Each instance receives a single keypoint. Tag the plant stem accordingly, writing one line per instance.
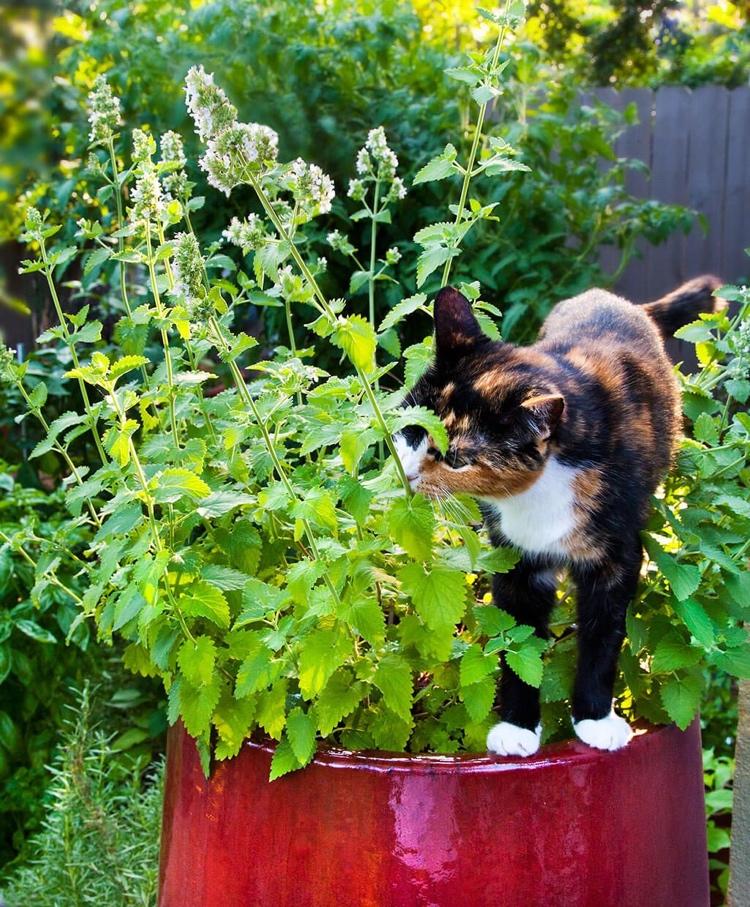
(469, 170)
(323, 307)
(73, 353)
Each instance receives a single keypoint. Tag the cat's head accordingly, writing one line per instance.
(499, 412)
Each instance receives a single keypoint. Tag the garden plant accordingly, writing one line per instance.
(236, 511)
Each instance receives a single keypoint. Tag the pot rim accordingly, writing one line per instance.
(568, 752)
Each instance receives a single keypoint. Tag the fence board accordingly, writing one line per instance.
(707, 128)
(732, 262)
(696, 146)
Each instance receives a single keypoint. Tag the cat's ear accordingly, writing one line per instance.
(456, 327)
(545, 411)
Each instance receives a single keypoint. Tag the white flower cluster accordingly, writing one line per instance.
(312, 189)
(144, 146)
(173, 153)
(207, 104)
(739, 367)
(377, 162)
(248, 234)
(232, 147)
(104, 111)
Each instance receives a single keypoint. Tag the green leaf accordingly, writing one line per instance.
(476, 666)
(499, 560)
(735, 661)
(300, 732)
(431, 259)
(683, 578)
(354, 444)
(195, 704)
(681, 697)
(418, 357)
(401, 310)
(32, 629)
(739, 588)
(411, 523)
(197, 660)
(705, 429)
(356, 337)
(526, 662)
(426, 418)
(283, 760)
(217, 503)
(172, 484)
(393, 677)
(339, 698)
(271, 714)
(225, 578)
(321, 652)
(258, 671)
(439, 167)
(204, 600)
(366, 617)
(493, 620)
(232, 719)
(317, 506)
(355, 498)
(38, 397)
(695, 618)
(471, 75)
(479, 698)
(126, 364)
(438, 593)
(673, 653)
(129, 605)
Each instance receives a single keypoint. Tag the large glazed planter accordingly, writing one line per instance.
(569, 827)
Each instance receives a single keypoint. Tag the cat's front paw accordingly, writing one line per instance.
(506, 739)
(609, 733)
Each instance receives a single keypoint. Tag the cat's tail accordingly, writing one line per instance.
(685, 304)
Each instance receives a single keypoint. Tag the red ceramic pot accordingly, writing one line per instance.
(569, 827)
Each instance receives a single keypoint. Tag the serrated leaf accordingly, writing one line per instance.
(499, 560)
(217, 503)
(417, 357)
(204, 600)
(339, 698)
(401, 310)
(259, 671)
(411, 522)
(232, 719)
(705, 429)
(475, 665)
(197, 660)
(681, 697)
(684, 579)
(673, 653)
(425, 418)
(393, 677)
(356, 337)
(471, 75)
(493, 620)
(431, 259)
(526, 661)
(195, 704)
(321, 652)
(438, 168)
(225, 578)
(366, 617)
(695, 618)
(271, 714)
(355, 498)
(172, 484)
(479, 698)
(354, 444)
(438, 593)
(283, 760)
(735, 661)
(300, 732)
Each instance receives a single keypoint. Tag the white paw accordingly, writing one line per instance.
(610, 733)
(507, 739)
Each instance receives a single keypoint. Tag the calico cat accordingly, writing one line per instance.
(563, 443)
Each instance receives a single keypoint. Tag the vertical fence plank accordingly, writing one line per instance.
(709, 109)
(636, 143)
(669, 182)
(733, 263)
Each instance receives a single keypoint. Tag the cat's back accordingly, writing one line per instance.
(599, 318)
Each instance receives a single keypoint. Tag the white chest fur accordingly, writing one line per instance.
(542, 518)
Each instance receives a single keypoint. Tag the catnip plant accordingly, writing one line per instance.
(251, 532)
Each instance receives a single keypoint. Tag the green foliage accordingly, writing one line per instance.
(251, 542)
(100, 838)
(644, 42)
(718, 773)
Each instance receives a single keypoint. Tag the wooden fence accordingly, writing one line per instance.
(697, 147)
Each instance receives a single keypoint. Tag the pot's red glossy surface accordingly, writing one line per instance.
(569, 827)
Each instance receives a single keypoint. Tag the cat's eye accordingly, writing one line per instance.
(455, 459)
